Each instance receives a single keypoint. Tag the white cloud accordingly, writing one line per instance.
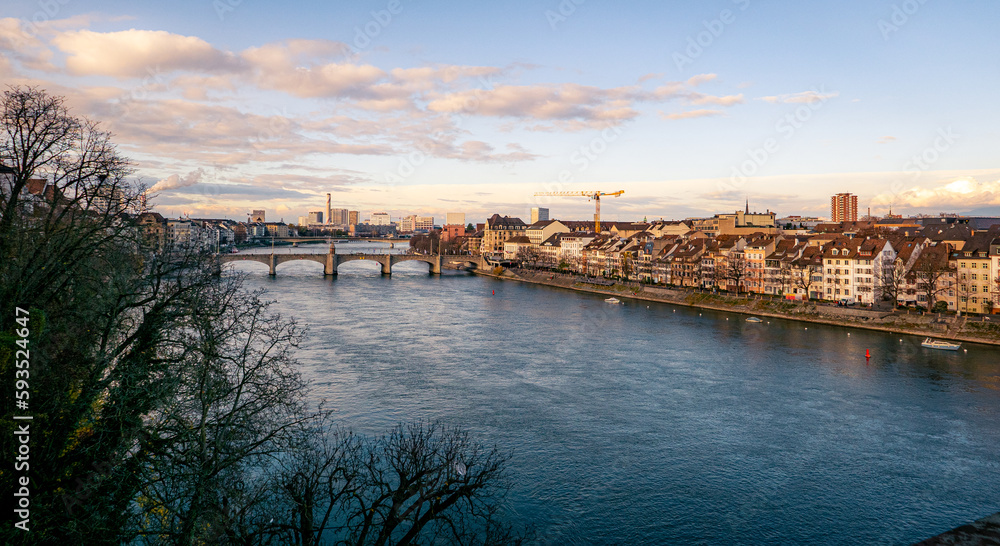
(691, 114)
(805, 97)
(139, 53)
(958, 194)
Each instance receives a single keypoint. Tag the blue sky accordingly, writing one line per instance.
(689, 107)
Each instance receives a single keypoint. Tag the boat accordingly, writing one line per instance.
(938, 344)
(754, 319)
(613, 301)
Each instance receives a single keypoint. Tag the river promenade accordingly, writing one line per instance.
(900, 322)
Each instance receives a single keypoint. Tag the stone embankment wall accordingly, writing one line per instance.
(914, 323)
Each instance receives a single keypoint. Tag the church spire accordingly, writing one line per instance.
(748, 205)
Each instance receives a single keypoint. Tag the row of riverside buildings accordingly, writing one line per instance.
(915, 262)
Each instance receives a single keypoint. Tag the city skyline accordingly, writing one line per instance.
(423, 110)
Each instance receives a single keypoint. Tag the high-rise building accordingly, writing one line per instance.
(539, 214)
(381, 219)
(455, 218)
(338, 216)
(844, 208)
(257, 216)
(328, 207)
(353, 217)
(315, 217)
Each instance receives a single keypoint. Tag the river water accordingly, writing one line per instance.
(649, 423)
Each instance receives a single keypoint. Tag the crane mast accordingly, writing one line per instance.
(595, 195)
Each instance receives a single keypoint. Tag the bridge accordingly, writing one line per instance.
(331, 260)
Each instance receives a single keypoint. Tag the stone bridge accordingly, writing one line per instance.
(331, 261)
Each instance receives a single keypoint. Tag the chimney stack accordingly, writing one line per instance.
(327, 219)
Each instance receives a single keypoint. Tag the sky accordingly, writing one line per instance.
(413, 107)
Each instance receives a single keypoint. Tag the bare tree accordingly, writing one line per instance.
(432, 481)
(804, 279)
(891, 278)
(162, 395)
(931, 268)
(736, 270)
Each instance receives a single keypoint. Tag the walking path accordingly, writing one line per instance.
(916, 324)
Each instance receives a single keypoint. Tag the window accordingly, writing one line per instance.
(964, 299)
(847, 292)
(973, 276)
(973, 265)
(829, 290)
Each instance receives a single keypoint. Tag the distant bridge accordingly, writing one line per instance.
(331, 260)
(328, 238)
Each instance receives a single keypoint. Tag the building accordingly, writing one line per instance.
(451, 232)
(353, 217)
(844, 208)
(381, 219)
(454, 218)
(257, 216)
(498, 230)
(424, 223)
(315, 217)
(539, 214)
(543, 229)
(338, 217)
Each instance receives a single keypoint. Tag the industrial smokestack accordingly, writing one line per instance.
(327, 219)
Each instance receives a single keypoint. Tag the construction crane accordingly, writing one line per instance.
(595, 195)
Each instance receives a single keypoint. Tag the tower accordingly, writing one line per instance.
(328, 208)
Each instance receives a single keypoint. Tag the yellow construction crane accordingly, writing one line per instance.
(595, 195)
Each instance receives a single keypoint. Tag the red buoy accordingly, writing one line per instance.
(868, 354)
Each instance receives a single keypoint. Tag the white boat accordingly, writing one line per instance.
(754, 319)
(938, 344)
(613, 301)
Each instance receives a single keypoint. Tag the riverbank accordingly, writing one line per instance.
(915, 324)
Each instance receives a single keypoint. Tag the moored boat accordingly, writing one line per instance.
(754, 319)
(939, 344)
(613, 301)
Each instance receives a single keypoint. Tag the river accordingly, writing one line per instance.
(649, 423)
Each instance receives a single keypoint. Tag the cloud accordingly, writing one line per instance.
(691, 114)
(954, 194)
(728, 100)
(549, 103)
(174, 181)
(886, 139)
(138, 53)
(805, 97)
(699, 79)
